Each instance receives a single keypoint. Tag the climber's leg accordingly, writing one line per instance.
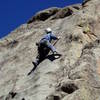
(51, 47)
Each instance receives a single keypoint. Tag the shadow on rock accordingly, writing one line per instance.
(51, 57)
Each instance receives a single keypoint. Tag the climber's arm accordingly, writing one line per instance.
(54, 37)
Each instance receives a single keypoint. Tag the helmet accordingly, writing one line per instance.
(48, 30)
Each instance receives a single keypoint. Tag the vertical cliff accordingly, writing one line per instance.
(74, 76)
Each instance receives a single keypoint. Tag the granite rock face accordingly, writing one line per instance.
(74, 76)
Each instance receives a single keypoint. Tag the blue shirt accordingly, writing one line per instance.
(49, 37)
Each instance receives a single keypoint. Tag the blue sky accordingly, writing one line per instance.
(13, 13)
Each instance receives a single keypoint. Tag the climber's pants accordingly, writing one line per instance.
(48, 44)
(41, 53)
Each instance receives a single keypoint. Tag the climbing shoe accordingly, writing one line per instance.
(34, 64)
(55, 52)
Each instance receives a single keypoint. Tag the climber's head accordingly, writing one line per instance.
(48, 30)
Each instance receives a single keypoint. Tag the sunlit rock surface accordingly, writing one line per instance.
(74, 76)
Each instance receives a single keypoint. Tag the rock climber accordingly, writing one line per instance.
(44, 46)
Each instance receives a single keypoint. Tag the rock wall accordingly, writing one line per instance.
(74, 76)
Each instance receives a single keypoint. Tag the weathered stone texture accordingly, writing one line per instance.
(74, 76)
